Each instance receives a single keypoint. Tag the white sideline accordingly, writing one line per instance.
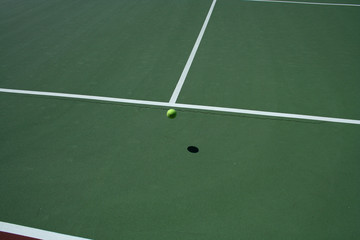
(191, 57)
(308, 3)
(35, 233)
(186, 106)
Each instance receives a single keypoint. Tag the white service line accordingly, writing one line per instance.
(268, 114)
(86, 97)
(186, 106)
(181, 81)
(308, 3)
(35, 233)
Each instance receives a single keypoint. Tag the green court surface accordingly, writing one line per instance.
(109, 171)
(279, 57)
(129, 49)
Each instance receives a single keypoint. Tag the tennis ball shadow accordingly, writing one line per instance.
(193, 149)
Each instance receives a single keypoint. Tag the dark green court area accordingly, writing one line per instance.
(108, 171)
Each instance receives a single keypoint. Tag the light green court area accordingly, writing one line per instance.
(113, 171)
(109, 171)
(279, 57)
(130, 49)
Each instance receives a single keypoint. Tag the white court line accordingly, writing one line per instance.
(35, 233)
(308, 3)
(191, 57)
(186, 106)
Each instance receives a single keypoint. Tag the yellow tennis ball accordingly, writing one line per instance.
(171, 113)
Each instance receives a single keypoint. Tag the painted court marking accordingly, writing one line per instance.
(186, 106)
(191, 57)
(308, 3)
(35, 233)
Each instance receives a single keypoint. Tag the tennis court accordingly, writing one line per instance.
(268, 91)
